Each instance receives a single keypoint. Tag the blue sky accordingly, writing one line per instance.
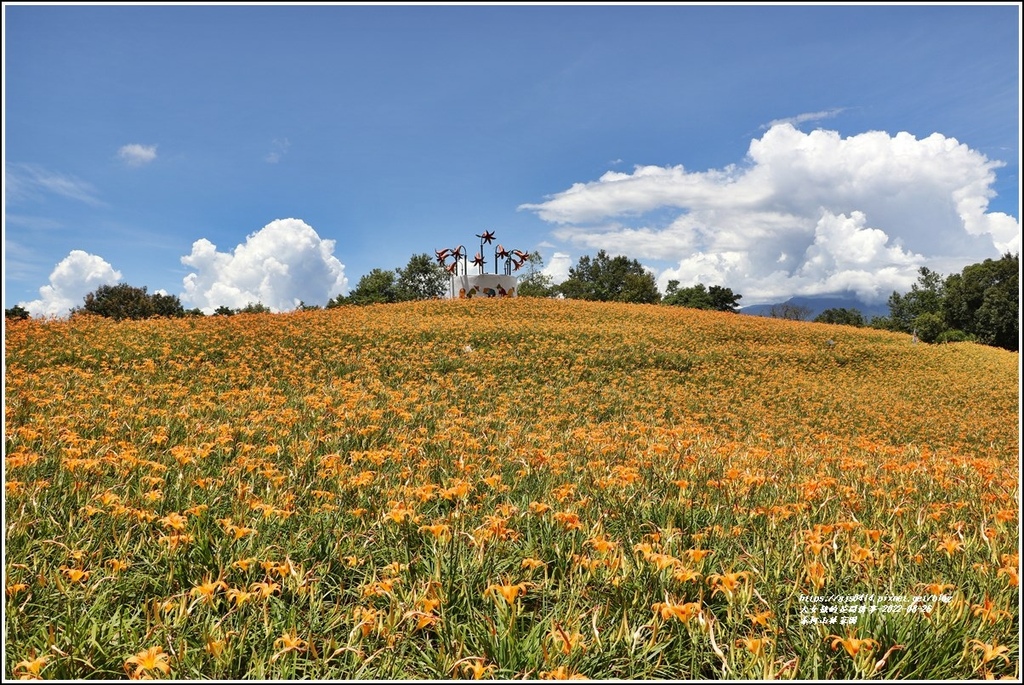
(228, 154)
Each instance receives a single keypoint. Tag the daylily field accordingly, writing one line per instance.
(507, 489)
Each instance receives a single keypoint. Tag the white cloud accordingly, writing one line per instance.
(283, 263)
(135, 155)
(806, 116)
(279, 148)
(806, 213)
(558, 267)
(72, 279)
(30, 182)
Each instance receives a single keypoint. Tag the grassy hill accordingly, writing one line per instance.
(507, 488)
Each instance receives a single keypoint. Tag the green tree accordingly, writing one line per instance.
(788, 310)
(167, 305)
(120, 301)
(337, 301)
(254, 308)
(223, 310)
(929, 326)
(984, 301)
(16, 312)
(925, 297)
(421, 279)
(952, 335)
(883, 323)
(378, 286)
(535, 283)
(607, 279)
(715, 298)
(841, 316)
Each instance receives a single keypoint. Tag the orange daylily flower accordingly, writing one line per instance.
(30, 668)
(662, 561)
(860, 554)
(244, 564)
(726, 583)
(381, 587)
(238, 597)
(438, 530)
(1011, 575)
(682, 612)
(208, 588)
(215, 647)
(601, 544)
(508, 592)
(988, 611)
(566, 641)
(174, 521)
(424, 618)
(366, 619)
(149, 659)
(852, 644)
(117, 565)
(754, 645)
(683, 574)
(539, 507)
(992, 651)
(478, 667)
(696, 555)
(290, 642)
(76, 575)
(264, 589)
(950, 545)
(816, 574)
(561, 673)
(569, 520)
(936, 588)
(531, 563)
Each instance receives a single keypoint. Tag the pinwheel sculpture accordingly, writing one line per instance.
(511, 260)
(505, 261)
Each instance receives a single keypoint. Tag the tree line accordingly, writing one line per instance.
(980, 304)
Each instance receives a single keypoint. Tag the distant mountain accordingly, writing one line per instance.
(818, 304)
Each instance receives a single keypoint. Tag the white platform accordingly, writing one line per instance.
(484, 285)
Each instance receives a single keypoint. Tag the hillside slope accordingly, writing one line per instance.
(509, 488)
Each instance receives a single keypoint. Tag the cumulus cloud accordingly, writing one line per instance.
(135, 155)
(558, 267)
(72, 279)
(805, 213)
(280, 265)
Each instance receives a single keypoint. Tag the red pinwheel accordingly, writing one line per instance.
(501, 252)
(486, 237)
(442, 255)
(478, 260)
